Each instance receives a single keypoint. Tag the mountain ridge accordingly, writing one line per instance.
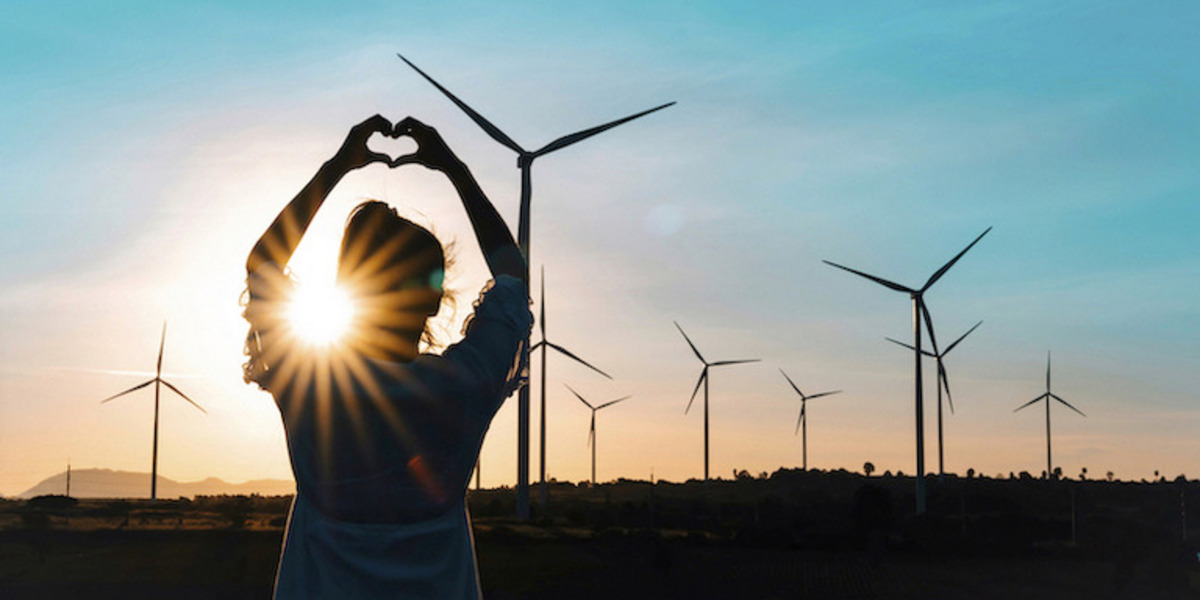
(109, 483)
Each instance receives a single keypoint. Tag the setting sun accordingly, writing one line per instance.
(320, 314)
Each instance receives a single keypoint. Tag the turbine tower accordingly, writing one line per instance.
(592, 430)
(802, 422)
(943, 382)
(543, 493)
(158, 382)
(525, 160)
(919, 312)
(704, 380)
(1047, 397)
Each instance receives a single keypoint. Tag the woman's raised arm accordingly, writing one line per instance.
(495, 239)
(279, 241)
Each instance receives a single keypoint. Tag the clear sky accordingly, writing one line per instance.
(144, 146)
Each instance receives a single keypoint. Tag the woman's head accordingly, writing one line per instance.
(394, 269)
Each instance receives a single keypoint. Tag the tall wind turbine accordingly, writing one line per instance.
(158, 382)
(919, 312)
(802, 422)
(704, 380)
(525, 160)
(943, 382)
(592, 430)
(543, 493)
(1047, 397)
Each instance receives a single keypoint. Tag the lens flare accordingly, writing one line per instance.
(320, 315)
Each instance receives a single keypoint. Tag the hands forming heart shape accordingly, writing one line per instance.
(431, 150)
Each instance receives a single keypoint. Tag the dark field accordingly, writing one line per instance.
(793, 535)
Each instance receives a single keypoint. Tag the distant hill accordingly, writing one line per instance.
(106, 483)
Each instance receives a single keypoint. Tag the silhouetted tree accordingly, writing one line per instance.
(1083, 474)
(868, 468)
(970, 473)
(1109, 476)
(1057, 473)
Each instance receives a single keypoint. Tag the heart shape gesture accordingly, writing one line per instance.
(431, 151)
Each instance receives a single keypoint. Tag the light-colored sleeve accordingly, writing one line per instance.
(494, 343)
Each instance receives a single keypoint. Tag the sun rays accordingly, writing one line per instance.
(320, 314)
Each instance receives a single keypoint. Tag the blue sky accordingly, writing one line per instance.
(143, 147)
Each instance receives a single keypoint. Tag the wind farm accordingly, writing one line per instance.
(145, 149)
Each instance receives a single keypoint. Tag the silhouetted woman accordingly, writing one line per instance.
(382, 438)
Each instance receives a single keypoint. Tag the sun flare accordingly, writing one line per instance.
(320, 314)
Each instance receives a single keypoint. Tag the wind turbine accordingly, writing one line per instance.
(943, 382)
(525, 160)
(158, 382)
(1047, 396)
(704, 380)
(919, 312)
(543, 345)
(802, 422)
(592, 430)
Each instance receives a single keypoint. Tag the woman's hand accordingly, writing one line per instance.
(432, 151)
(354, 153)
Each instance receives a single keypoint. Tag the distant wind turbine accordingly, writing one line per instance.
(802, 422)
(158, 382)
(592, 430)
(704, 380)
(943, 382)
(525, 160)
(919, 312)
(1047, 397)
(543, 345)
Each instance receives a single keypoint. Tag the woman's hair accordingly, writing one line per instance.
(395, 268)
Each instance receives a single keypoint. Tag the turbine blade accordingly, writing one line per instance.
(703, 374)
(800, 420)
(579, 136)
(789, 380)
(577, 359)
(909, 346)
(961, 338)
(689, 341)
(610, 403)
(185, 397)
(924, 311)
(162, 344)
(1067, 404)
(721, 363)
(580, 397)
(1031, 402)
(944, 381)
(592, 430)
(487, 126)
(132, 389)
(946, 267)
(814, 396)
(535, 346)
(879, 280)
(1047, 371)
